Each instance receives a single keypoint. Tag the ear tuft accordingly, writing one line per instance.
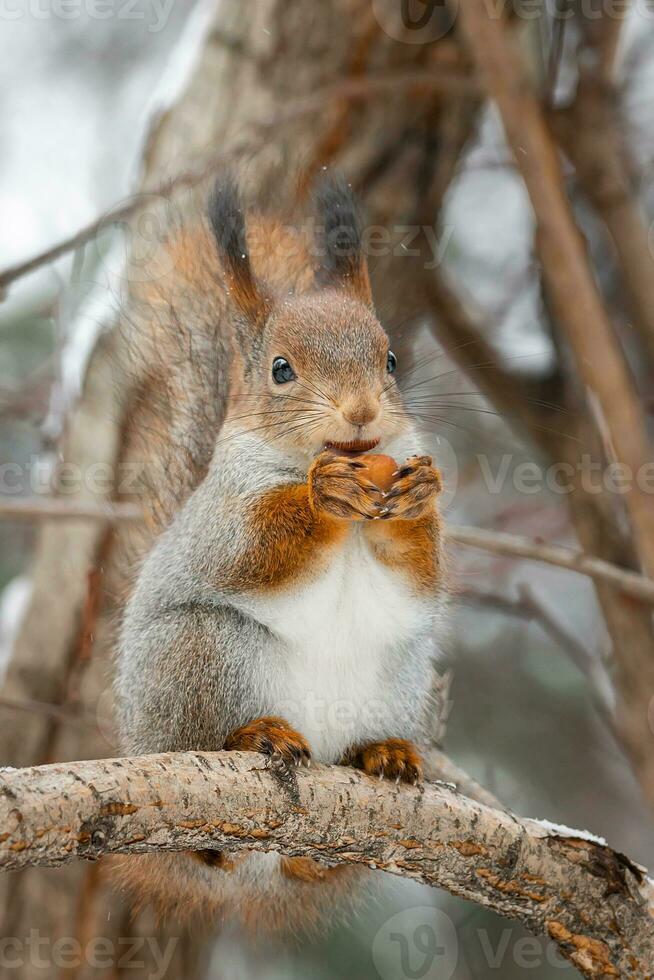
(343, 260)
(227, 221)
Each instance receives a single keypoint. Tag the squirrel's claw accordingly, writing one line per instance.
(396, 758)
(338, 485)
(274, 737)
(415, 486)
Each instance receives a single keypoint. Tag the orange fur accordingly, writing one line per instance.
(308, 870)
(293, 541)
(408, 536)
(182, 889)
(302, 869)
(296, 527)
(270, 735)
(395, 758)
(412, 547)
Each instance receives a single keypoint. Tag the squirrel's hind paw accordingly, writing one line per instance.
(395, 758)
(271, 736)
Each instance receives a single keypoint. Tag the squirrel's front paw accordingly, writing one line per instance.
(271, 736)
(414, 490)
(339, 486)
(396, 758)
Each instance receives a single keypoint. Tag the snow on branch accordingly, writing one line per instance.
(594, 903)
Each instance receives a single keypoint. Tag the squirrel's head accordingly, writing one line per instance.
(318, 371)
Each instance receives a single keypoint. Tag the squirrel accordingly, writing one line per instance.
(290, 606)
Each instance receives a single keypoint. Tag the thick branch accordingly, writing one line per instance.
(591, 901)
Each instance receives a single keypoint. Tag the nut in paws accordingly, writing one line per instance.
(417, 484)
(340, 486)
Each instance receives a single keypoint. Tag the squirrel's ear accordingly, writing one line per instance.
(227, 221)
(343, 262)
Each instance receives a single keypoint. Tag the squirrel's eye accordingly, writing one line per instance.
(282, 371)
(391, 362)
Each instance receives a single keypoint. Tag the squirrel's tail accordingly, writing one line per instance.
(264, 894)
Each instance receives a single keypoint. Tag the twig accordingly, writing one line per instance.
(516, 546)
(55, 508)
(590, 900)
(54, 711)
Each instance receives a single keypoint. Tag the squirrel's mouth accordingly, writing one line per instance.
(353, 448)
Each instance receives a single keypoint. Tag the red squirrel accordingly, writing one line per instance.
(290, 607)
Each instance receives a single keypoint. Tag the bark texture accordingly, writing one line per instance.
(592, 902)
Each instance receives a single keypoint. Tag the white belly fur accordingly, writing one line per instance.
(345, 636)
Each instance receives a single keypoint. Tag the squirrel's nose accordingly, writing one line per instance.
(360, 412)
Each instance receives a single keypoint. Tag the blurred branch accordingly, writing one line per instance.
(67, 715)
(555, 53)
(515, 546)
(568, 276)
(592, 135)
(602, 28)
(598, 518)
(529, 606)
(592, 902)
(54, 508)
(455, 328)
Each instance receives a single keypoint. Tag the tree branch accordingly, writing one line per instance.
(516, 546)
(591, 134)
(60, 509)
(590, 900)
